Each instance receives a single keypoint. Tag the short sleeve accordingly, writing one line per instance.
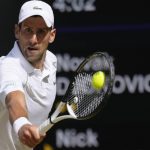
(9, 81)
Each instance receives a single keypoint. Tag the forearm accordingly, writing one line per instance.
(27, 133)
(15, 103)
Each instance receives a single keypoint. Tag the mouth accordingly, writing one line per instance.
(32, 48)
(32, 51)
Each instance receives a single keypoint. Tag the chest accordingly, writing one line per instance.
(40, 95)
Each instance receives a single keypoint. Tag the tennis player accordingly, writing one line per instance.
(28, 78)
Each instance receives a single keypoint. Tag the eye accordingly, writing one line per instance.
(27, 31)
(41, 31)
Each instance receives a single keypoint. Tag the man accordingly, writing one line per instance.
(27, 78)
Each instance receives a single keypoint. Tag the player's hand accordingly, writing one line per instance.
(30, 136)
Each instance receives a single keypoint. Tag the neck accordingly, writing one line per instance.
(39, 64)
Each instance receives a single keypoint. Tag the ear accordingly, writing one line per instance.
(52, 35)
(17, 28)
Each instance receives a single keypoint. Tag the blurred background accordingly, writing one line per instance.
(120, 28)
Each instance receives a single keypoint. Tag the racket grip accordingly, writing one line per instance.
(45, 126)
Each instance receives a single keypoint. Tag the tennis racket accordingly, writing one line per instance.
(82, 100)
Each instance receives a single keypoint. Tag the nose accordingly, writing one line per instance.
(34, 39)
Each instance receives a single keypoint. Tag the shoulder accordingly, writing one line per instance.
(8, 63)
(7, 60)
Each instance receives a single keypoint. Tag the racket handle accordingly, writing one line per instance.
(45, 126)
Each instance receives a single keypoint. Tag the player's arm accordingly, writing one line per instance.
(16, 105)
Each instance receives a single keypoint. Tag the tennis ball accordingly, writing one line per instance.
(98, 80)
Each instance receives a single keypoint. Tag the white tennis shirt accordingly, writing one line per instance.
(39, 89)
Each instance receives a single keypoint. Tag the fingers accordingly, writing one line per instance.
(30, 136)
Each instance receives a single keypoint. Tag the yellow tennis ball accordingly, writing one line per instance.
(98, 80)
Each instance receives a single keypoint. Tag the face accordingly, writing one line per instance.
(34, 37)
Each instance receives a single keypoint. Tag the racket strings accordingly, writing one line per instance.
(80, 87)
(88, 98)
(89, 104)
